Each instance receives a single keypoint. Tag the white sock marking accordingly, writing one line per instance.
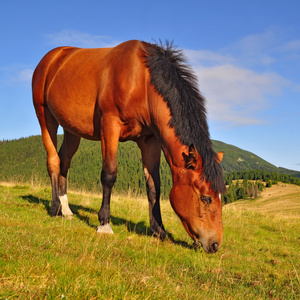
(65, 209)
(105, 229)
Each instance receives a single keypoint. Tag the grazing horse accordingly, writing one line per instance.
(141, 92)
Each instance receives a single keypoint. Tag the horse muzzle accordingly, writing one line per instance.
(210, 247)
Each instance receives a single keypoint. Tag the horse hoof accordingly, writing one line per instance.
(105, 229)
(68, 217)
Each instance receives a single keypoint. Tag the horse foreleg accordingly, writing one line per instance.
(108, 178)
(109, 144)
(68, 148)
(151, 152)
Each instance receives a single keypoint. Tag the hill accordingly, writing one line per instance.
(24, 160)
(236, 159)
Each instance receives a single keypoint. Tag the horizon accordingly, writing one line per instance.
(246, 57)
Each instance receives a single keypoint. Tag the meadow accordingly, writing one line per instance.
(42, 257)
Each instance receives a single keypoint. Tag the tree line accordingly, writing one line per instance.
(262, 175)
(24, 160)
(249, 184)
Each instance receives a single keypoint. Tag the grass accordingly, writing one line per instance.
(52, 258)
(281, 200)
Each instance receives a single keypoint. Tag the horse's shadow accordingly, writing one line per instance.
(80, 212)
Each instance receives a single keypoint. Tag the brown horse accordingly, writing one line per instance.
(141, 92)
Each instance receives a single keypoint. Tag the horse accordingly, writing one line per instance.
(137, 91)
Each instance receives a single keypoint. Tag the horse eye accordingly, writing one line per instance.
(206, 199)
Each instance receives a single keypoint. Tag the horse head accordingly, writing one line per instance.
(197, 205)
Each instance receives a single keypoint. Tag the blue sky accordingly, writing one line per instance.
(246, 55)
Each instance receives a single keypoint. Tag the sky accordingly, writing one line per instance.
(246, 55)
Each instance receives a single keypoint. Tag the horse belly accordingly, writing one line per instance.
(74, 106)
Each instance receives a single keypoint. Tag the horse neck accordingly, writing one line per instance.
(160, 117)
(173, 149)
(174, 153)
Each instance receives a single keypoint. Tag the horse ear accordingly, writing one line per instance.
(219, 156)
(192, 160)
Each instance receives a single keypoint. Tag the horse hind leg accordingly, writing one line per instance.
(49, 135)
(68, 149)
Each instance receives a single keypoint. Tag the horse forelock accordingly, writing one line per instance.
(176, 82)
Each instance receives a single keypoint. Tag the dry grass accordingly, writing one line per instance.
(281, 201)
(9, 184)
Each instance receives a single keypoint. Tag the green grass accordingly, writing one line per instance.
(52, 258)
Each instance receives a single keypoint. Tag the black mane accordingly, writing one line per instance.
(175, 81)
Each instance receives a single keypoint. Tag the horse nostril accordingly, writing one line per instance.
(214, 247)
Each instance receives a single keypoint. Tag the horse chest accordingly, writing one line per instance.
(132, 130)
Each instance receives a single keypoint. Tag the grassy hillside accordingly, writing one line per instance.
(280, 197)
(236, 159)
(24, 160)
(52, 258)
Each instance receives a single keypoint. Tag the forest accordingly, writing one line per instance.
(24, 160)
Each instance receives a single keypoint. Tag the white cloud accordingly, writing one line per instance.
(241, 81)
(24, 75)
(255, 49)
(206, 57)
(79, 39)
(237, 95)
(293, 45)
(16, 75)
